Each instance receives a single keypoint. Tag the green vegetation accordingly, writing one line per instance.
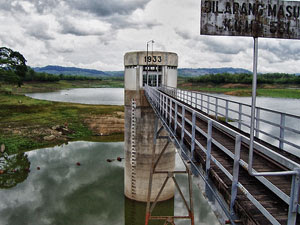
(25, 122)
(18, 167)
(12, 66)
(279, 93)
(269, 85)
(31, 75)
(245, 78)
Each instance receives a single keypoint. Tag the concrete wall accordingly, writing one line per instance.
(145, 120)
(130, 78)
(145, 124)
(170, 76)
(162, 58)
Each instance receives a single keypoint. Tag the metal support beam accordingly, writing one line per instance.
(170, 175)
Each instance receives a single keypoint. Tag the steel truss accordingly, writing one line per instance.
(170, 176)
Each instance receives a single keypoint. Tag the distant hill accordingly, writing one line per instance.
(115, 73)
(77, 71)
(189, 72)
(186, 72)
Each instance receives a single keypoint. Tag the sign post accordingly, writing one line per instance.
(252, 18)
(253, 101)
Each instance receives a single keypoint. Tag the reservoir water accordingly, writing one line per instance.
(74, 183)
(98, 96)
(115, 96)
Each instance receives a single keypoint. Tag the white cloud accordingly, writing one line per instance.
(84, 26)
(97, 33)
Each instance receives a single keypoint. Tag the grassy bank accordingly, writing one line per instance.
(29, 124)
(244, 90)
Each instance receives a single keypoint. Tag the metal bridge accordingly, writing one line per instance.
(259, 186)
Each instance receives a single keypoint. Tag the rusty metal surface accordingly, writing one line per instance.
(270, 19)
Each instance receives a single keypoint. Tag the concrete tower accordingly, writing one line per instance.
(161, 69)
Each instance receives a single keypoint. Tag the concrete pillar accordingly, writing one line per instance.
(139, 136)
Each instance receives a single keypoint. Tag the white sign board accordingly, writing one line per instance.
(271, 19)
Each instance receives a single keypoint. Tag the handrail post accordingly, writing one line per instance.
(201, 102)
(208, 147)
(282, 125)
(187, 97)
(208, 104)
(196, 100)
(170, 114)
(240, 115)
(294, 196)
(182, 124)
(216, 109)
(180, 95)
(226, 113)
(175, 119)
(235, 173)
(163, 105)
(166, 108)
(257, 122)
(158, 98)
(160, 102)
(193, 133)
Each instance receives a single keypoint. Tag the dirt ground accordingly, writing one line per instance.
(104, 125)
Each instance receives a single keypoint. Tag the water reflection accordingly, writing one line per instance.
(62, 192)
(135, 212)
(13, 169)
(77, 186)
(202, 208)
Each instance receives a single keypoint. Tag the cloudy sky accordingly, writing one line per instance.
(97, 33)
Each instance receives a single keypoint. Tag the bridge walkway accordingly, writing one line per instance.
(261, 164)
(198, 132)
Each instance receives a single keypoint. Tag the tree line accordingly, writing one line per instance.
(32, 75)
(13, 69)
(245, 78)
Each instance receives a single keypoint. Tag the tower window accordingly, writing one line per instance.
(154, 80)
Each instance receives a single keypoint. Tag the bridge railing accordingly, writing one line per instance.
(173, 116)
(270, 125)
